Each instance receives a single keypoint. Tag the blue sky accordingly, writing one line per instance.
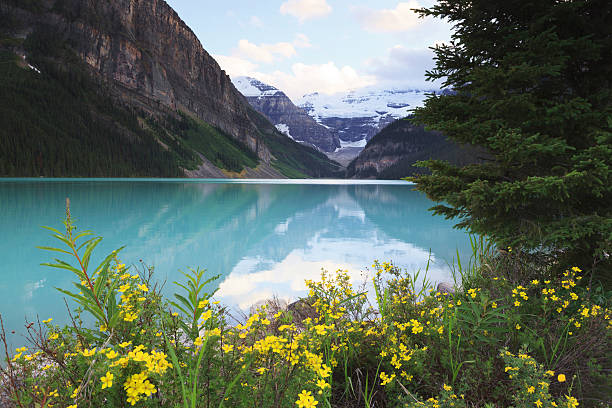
(328, 46)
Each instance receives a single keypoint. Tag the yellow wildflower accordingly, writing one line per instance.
(306, 400)
(322, 384)
(206, 315)
(386, 379)
(107, 380)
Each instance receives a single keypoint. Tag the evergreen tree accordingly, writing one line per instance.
(532, 82)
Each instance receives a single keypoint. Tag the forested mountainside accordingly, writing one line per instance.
(124, 88)
(392, 152)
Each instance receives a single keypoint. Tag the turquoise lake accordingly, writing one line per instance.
(262, 237)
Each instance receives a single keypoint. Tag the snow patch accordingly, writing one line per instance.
(284, 129)
(245, 87)
(371, 102)
(358, 143)
(251, 87)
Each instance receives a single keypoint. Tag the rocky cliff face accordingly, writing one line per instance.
(355, 132)
(153, 60)
(288, 118)
(127, 86)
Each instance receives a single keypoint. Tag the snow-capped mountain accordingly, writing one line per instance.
(358, 115)
(288, 118)
(251, 87)
(340, 124)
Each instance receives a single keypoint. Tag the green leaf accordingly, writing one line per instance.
(54, 249)
(64, 265)
(111, 291)
(91, 244)
(108, 259)
(100, 281)
(92, 299)
(180, 308)
(186, 303)
(81, 235)
(63, 239)
(79, 298)
(52, 230)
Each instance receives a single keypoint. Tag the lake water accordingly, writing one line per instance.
(263, 237)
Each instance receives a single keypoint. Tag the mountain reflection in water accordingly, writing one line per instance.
(262, 239)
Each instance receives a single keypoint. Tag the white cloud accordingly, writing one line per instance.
(256, 22)
(235, 66)
(302, 41)
(264, 52)
(268, 53)
(325, 78)
(403, 67)
(253, 280)
(305, 9)
(303, 78)
(401, 18)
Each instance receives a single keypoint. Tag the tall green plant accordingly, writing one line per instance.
(481, 250)
(195, 301)
(97, 290)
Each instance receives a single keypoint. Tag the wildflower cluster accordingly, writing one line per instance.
(417, 348)
(531, 382)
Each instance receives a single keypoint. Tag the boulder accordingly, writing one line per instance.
(446, 287)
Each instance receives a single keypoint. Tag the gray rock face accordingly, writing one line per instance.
(446, 287)
(357, 128)
(153, 61)
(288, 118)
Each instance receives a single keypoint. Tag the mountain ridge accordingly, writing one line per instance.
(392, 153)
(289, 119)
(358, 115)
(141, 57)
